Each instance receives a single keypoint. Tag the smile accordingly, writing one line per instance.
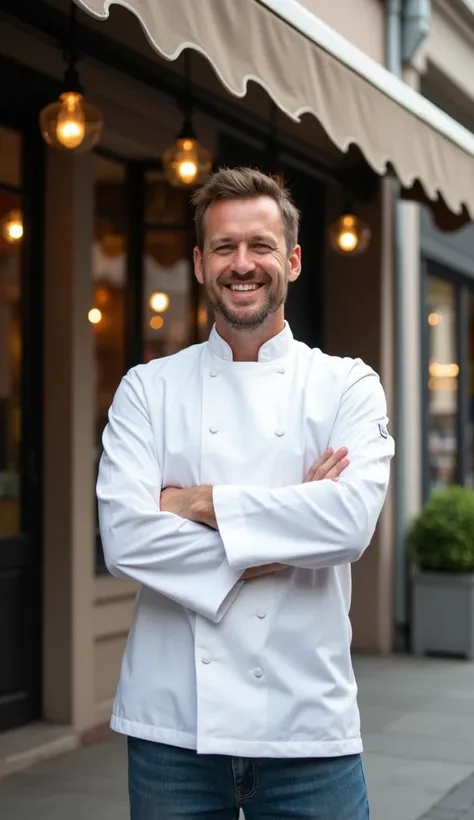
(243, 287)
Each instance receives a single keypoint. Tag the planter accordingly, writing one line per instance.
(443, 614)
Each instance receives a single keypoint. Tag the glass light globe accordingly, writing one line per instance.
(349, 235)
(70, 123)
(186, 163)
(12, 227)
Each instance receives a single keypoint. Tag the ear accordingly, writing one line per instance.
(295, 264)
(198, 271)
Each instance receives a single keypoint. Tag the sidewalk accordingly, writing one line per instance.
(418, 728)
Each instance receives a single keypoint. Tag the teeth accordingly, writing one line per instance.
(244, 287)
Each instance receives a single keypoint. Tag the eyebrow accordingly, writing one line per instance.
(260, 237)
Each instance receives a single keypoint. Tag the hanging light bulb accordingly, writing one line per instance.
(349, 235)
(12, 227)
(71, 123)
(187, 163)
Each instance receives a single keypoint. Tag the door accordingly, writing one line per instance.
(20, 423)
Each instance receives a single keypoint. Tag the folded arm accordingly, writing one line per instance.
(181, 559)
(323, 523)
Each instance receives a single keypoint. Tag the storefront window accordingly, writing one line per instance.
(442, 383)
(107, 311)
(470, 391)
(11, 231)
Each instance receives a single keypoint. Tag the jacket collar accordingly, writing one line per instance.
(275, 348)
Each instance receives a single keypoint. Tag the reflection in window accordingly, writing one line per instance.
(442, 383)
(167, 305)
(11, 233)
(107, 310)
(470, 391)
(107, 313)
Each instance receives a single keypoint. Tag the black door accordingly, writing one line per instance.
(21, 209)
(304, 308)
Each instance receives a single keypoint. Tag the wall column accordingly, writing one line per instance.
(358, 323)
(68, 442)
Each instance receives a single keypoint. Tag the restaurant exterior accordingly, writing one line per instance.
(96, 270)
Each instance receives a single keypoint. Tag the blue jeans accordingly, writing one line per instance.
(169, 783)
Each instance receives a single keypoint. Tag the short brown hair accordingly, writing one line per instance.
(245, 183)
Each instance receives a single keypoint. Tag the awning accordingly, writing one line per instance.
(306, 67)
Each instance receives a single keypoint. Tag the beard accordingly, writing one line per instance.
(276, 292)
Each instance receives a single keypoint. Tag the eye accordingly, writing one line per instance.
(262, 247)
(223, 249)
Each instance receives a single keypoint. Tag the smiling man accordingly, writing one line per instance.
(240, 479)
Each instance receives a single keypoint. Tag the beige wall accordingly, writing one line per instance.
(449, 46)
(361, 22)
(113, 609)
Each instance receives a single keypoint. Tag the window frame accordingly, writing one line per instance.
(463, 289)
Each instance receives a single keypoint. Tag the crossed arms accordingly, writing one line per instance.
(315, 524)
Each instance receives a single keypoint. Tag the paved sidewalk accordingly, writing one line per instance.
(418, 727)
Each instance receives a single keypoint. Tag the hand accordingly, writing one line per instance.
(265, 569)
(328, 466)
(193, 503)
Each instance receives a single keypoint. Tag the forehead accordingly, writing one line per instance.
(242, 218)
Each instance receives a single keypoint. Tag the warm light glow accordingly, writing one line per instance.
(159, 301)
(156, 322)
(444, 371)
(347, 241)
(349, 235)
(102, 296)
(95, 316)
(186, 163)
(187, 171)
(443, 385)
(434, 319)
(12, 228)
(71, 126)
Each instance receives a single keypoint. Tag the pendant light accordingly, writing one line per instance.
(349, 235)
(12, 227)
(70, 123)
(187, 163)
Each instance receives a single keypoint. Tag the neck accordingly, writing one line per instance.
(245, 344)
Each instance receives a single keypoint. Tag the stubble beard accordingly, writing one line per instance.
(276, 297)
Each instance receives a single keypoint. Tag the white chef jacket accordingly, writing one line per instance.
(260, 668)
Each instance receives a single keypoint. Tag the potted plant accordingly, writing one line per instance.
(441, 544)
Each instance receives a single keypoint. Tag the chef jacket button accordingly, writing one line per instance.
(213, 374)
(280, 432)
(258, 672)
(261, 613)
(213, 429)
(205, 659)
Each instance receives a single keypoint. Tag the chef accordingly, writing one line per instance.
(239, 481)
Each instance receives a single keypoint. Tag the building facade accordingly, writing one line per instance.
(96, 276)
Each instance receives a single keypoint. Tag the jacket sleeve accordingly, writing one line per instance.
(180, 559)
(322, 523)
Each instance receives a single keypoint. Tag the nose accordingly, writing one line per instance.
(242, 261)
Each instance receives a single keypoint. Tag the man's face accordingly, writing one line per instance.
(245, 265)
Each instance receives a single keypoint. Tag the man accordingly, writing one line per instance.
(225, 490)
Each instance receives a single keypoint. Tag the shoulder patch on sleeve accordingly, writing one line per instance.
(383, 431)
